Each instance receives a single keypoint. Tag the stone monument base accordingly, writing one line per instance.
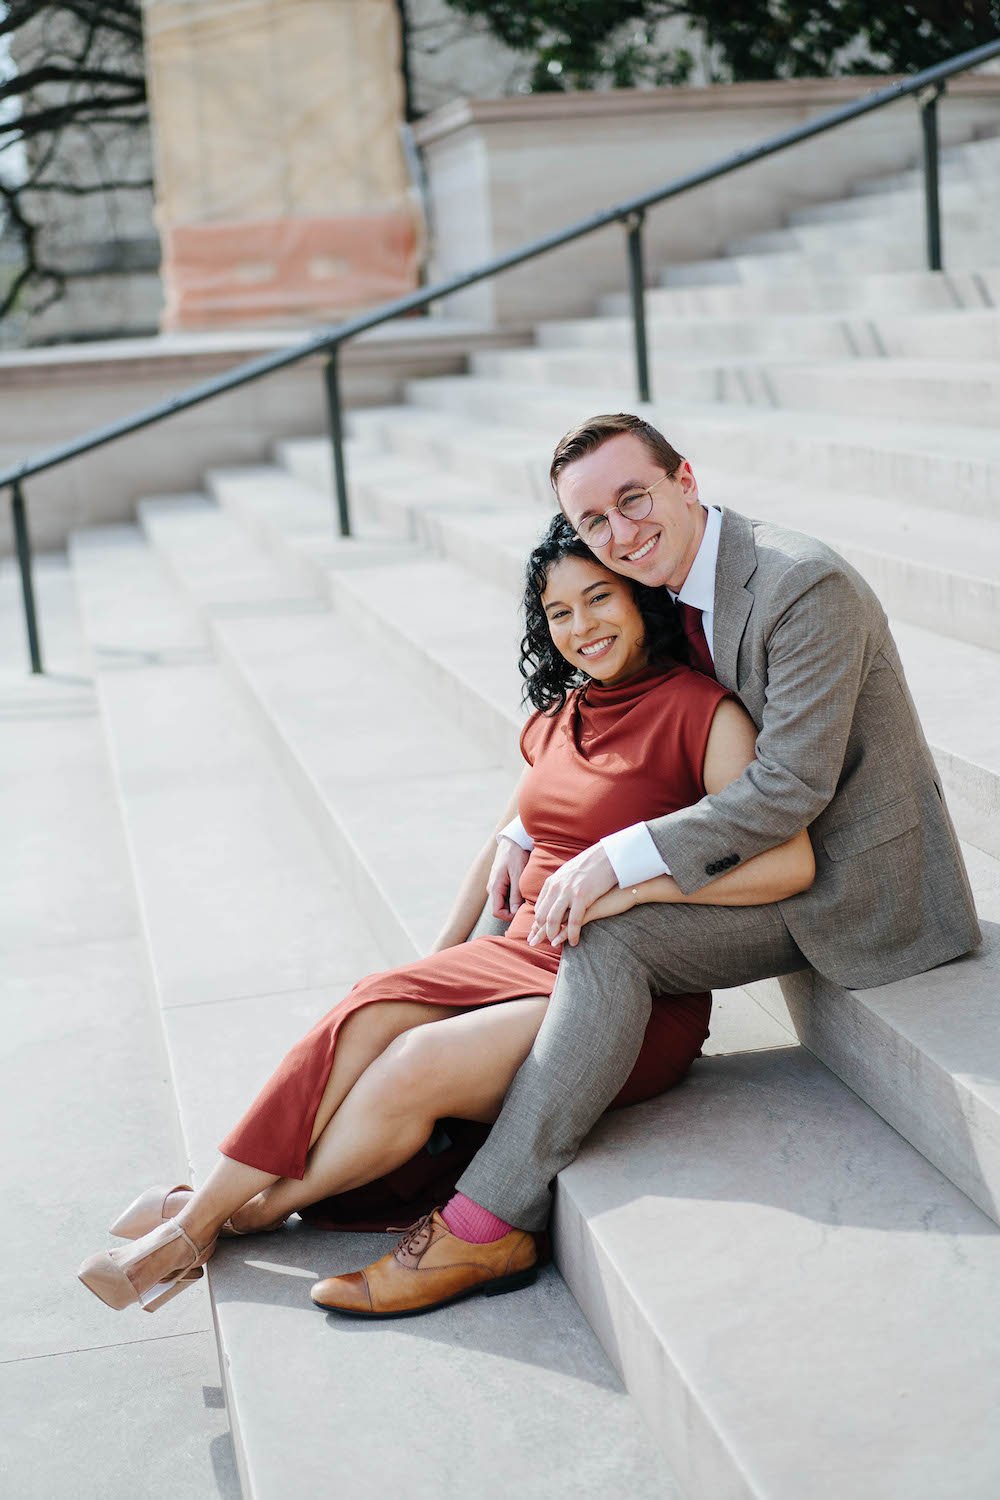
(309, 269)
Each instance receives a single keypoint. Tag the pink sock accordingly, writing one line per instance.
(473, 1223)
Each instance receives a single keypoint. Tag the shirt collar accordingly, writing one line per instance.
(699, 586)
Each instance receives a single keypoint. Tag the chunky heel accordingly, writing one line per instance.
(164, 1290)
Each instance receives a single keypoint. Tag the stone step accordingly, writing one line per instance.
(954, 166)
(907, 389)
(904, 228)
(339, 748)
(829, 257)
(818, 1154)
(135, 1402)
(906, 202)
(878, 293)
(772, 1264)
(968, 159)
(956, 335)
(251, 936)
(211, 938)
(901, 460)
(918, 1023)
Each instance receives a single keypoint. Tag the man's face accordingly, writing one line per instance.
(658, 550)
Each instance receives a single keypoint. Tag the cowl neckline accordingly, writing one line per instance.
(599, 707)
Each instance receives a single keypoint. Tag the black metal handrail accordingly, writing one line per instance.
(927, 86)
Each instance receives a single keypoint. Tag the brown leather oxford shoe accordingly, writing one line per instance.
(429, 1268)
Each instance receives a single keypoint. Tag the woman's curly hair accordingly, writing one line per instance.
(548, 676)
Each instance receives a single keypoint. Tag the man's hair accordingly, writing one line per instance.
(589, 435)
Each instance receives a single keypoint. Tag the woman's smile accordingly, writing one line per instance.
(594, 649)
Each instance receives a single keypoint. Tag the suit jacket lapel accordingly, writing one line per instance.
(733, 602)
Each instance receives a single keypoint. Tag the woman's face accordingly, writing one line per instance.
(594, 620)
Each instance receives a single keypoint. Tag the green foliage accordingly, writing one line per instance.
(820, 38)
(577, 44)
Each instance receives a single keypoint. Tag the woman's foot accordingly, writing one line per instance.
(255, 1217)
(150, 1271)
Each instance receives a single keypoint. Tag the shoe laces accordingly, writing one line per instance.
(416, 1237)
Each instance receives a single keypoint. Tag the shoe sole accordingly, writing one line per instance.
(495, 1288)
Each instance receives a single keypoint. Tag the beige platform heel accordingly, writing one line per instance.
(106, 1275)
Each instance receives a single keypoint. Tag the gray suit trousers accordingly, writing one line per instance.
(594, 1028)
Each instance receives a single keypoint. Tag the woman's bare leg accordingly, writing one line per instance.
(363, 1037)
(230, 1185)
(462, 1066)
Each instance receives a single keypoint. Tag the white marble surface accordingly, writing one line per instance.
(773, 1249)
(96, 1404)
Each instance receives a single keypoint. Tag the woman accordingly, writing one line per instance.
(622, 732)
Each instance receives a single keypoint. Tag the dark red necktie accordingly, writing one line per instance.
(701, 657)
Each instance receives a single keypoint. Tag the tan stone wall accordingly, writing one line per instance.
(282, 191)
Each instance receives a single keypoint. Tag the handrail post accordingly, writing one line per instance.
(336, 419)
(23, 543)
(637, 293)
(928, 100)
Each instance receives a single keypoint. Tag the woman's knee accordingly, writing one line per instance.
(373, 1027)
(408, 1071)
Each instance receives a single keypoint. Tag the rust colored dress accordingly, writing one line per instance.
(611, 757)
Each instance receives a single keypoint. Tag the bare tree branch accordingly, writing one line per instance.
(123, 20)
(23, 83)
(78, 93)
(83, 190)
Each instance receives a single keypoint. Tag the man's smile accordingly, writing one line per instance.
(642, 551)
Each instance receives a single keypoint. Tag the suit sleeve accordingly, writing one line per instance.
(817, 646)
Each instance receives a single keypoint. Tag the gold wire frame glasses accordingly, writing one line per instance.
(596, 530)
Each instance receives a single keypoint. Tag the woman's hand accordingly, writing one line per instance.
(503, 886)
(567, 894)
(611, 904)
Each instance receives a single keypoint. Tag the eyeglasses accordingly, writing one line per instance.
(596, 530)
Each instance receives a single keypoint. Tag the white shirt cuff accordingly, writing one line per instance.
(633, 855)
(518, 834)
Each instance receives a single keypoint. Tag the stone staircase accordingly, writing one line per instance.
(781, 1279)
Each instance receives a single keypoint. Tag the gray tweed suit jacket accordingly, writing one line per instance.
(803, 642)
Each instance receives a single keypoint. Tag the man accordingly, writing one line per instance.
(799, 637)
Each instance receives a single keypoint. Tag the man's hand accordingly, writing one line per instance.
(504, 884)
(566, 895)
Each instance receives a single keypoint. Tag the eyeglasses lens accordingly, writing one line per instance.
(596, 530)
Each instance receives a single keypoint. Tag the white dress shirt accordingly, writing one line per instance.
(633, 855)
